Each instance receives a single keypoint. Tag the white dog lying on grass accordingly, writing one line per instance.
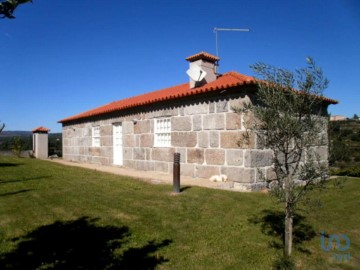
(219, 178)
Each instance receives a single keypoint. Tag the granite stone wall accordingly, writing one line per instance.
(206, 133)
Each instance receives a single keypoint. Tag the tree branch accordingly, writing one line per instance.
(8, 7)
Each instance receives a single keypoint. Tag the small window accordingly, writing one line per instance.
(163, 132)
(96, 136)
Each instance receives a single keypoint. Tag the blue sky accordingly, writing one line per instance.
(60, 58)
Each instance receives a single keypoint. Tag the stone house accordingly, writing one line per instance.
(194, 119)
(337, 118)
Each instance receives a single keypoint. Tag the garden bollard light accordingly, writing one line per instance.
(176, 173)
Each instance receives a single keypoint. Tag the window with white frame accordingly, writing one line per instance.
(162, 132)
(96, 136)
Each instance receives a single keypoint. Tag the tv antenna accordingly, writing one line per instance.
(216, 30)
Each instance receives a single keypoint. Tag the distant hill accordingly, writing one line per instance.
(19, 133)
(15, 133)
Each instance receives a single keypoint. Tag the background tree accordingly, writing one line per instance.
(17, 146)
(8, 7)
(2, 126)
(289, 122)
(344, 144)
(338, 148)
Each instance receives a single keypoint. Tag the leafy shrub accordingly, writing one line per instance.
(346, 132)
(344, 138)
(350, 171)
(355, 137)
(339, 151)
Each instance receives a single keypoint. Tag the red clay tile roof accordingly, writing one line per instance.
(203, 55)
(40, 129)
(228, 80)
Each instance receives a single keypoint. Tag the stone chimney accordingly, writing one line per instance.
(203, 69)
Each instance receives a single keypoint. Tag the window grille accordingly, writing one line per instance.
(163, 132)
(96, 136)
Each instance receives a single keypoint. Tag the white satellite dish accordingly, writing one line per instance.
(196, 73)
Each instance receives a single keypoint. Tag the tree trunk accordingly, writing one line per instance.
(288, 231)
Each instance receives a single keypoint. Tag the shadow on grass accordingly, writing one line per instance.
(15, 192)
(80, 244)
(6, 164)
(184, 188)
(272, 224)
(24, 179)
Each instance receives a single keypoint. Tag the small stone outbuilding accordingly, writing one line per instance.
(194, 119)
(41, 142)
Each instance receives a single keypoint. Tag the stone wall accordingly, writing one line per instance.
(206, 132)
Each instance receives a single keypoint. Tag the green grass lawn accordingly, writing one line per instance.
(58, 217)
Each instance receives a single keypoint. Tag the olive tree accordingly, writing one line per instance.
(8, 7)
(289, 122)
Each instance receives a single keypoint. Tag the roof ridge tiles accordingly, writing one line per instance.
(240, 76)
